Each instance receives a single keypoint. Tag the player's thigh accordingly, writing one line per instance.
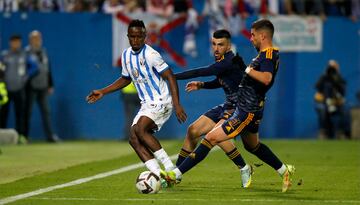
(201, 126)
(145, 124)
(227, 145)
(217, 135)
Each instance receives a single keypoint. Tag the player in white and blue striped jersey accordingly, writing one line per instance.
(145, 67)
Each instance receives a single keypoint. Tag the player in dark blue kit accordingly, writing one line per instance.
(228, 77)
(259, 78)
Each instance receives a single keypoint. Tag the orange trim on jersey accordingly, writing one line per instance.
(269, 52)
(248, 119)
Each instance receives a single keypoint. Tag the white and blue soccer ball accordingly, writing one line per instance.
(148, 183)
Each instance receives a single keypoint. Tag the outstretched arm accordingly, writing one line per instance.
(180, 113)
(213, 69)
(96, 95)
(197, 85)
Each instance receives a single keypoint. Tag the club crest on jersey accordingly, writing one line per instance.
(135, 73)
(142, 61)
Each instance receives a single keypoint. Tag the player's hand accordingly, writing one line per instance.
(193, 85)
(94, 96)
(180, 113)
(237, 60)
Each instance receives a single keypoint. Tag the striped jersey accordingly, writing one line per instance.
(144, 68)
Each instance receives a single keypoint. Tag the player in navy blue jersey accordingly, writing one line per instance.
(228, 77)
(259, 78)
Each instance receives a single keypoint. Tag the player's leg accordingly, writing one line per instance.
(198, 128)
(234, 155)
(253, 145)
(232, 126)
(143, 152)
(198, 155)
(144, 130)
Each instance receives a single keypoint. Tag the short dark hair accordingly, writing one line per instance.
(15, 37)
(263, 24)
(136, 23)
(222, 33)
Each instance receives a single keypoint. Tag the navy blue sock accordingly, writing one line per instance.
(264, 153)
(182, 156)
(236, 157)
(197, 156)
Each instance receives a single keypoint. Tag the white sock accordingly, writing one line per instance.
(245, 167)
(153, 166)
(178, 173)
(163, 157)
(282, 170)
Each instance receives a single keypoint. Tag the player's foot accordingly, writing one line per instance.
(246, 173)
(286, 177)
(170, 177)
(163, 183)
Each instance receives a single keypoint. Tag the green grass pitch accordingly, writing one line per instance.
(327, 172)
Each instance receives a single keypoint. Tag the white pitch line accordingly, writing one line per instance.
(78, 181)
(205, 200)
(75, 182)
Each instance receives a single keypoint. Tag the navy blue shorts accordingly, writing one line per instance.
(219, 112)
(242, 120)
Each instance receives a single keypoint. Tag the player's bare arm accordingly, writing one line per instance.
(96, 95)
(263, 77)
(174, 90)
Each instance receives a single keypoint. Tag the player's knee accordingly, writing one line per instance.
(211, 138)
(250, 149)
(192, 132)
(139, 131)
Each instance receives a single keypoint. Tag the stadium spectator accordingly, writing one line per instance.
(39, 86)
(228, 77)
(303, 7)
(3, 92)
(157, 100)
(330, 101)
(162, 8)
(259, 78)
(131, 102)
(252, 7)
(338, 7)
(112, 6)
(16, 65)
(9, 5)
(355, 10)
(48, 5)
(82, 6)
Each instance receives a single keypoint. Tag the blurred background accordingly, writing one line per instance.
(84, 40)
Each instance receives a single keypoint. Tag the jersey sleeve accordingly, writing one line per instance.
(158, 62)
(213, 84)
(213, 69)
(267, 62)
(124, 71)
(267, 65)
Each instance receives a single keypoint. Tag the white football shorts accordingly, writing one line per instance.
(158, 112)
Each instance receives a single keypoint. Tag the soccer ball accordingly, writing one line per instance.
(148, 183)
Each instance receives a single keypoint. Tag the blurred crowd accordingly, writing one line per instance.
(323, 8)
